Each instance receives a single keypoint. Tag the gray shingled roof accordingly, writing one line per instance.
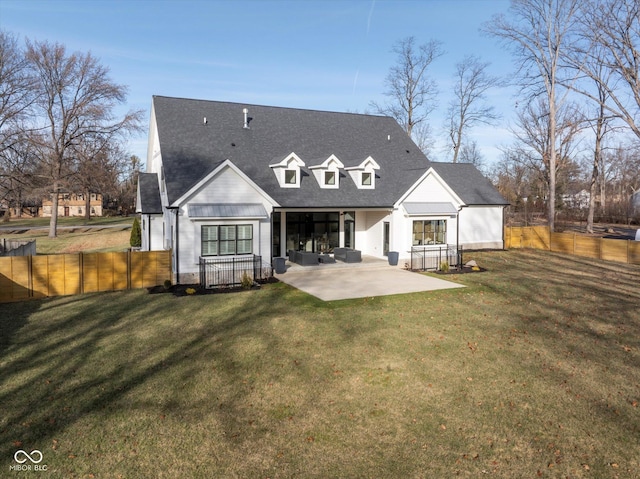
(192, 148)
(148, 189)
(469, 184)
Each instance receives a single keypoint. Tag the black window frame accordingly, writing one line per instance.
(431, 240)
(228, 243)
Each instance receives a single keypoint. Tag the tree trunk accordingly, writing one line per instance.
(594, 171)
(19, 209)
(592, 199)
(87, 205)
(552, 162)
(53, 223)
(603, 188)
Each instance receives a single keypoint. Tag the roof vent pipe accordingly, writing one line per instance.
(246, 118)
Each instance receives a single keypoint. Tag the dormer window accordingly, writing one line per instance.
(329, 178)
(287, 170)
(364, 174)
(327, 173)
(290, 177)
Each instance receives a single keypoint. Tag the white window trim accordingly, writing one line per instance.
(236, 239)
(330, 165)
(369, 165)
(288, 163)
(435, 218)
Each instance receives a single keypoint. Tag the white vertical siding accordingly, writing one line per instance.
(481, 227)
(369, 231)
(432, 190)
(226, 187)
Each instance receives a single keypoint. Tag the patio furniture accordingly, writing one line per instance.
(304, 258)
(326, 259)
(347, 255)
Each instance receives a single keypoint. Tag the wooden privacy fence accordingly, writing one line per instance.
(538, 237)
(30, 277)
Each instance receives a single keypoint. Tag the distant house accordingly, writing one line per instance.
(72, 204)
(635, 203)
(579, 200)
(229, 179)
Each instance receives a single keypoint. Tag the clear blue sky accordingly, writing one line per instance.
(327, 55)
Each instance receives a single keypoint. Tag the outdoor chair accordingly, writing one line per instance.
(347, 255)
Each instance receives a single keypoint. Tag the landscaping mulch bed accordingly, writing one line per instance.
(181, 289)
(463, 270)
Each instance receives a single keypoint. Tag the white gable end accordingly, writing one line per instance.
(430, 188)
(227, 187)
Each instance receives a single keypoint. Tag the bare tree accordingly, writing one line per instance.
(468, 107)
(129, 184)
(16, 89)
(76, 99)
(532, 135)
(508, 176)
(602, 125)
(100, 161)
(470, 153)
(538, 34)
(412, 92)
(16, 98)
(18, 178)
(624, 181)
(611, 48)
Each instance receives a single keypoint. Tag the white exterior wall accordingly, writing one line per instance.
(153, 145)
(404, 231)
(481, 227)
(226, 187)
(430, 189)
(152, 233)
(156, 230)
(370, 231)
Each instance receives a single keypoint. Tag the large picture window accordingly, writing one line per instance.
(220, 240)
(429, 232)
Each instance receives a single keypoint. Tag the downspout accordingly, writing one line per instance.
(176, 209)
(504, 246)
(458, 233)
(177, 246)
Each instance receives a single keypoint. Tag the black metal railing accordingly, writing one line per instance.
(224, 272)
(425, 258)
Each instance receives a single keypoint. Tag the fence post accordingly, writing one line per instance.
(30, 275)
(81, 261)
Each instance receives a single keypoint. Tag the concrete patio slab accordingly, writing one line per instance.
(367, 279)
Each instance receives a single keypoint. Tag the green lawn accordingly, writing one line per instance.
(66, 221)
(75, 234)
(533, 370)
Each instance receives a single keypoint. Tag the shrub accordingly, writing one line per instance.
(136, 234)
(190, 291)
(444, 267)
(167, 283)
(246, 282)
